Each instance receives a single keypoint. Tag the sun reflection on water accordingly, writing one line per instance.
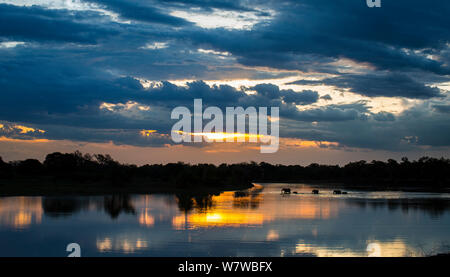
(394, 248)
(231, 209)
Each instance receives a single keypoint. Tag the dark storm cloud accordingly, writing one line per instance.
(35, 23)
(326, 97)
(413, 128)
(384, 116)
(373, 85)
(69, 92)
(442, 108)
(140, 11)
(71, 110)
(352, 112)
(271, 91)
(303, 98)
(79, 59)
(327, 114)
(306, 35)
(329, 29)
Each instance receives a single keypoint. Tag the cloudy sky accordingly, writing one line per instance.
(102, 76)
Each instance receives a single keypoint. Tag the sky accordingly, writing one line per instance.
(351, 82)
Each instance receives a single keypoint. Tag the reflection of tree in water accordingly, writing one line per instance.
(187, 202)
(434, 207)
(203, 202)
(116, 204)
(62, 206)
(66, 206)
(248, 199)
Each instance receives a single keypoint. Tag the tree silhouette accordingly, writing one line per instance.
(426, 171)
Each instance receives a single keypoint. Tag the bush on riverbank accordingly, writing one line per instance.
(432, 172)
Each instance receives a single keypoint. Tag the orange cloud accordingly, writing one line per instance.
(147, 133)
(11, 128)
(299, 143)
(6, 139)
(25, 129)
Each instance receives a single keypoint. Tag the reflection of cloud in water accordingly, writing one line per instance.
(122, 245)
(154, 209)
(435, 207)
(114, 205)
(394, 248)
(20, 212)
(146, 219)
(302, 224)
(272, 235)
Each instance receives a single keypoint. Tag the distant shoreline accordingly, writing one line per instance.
(30, 187)
(78, 173)
(39, 187)
(365, 187)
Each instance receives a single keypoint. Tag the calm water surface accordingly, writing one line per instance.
(255, 222)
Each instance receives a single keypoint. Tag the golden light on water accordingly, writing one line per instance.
(22, 219)
(272, 235)
(104, 245)
(123, 245)
(253, 210)
(394, 248)
(146, 219)
(217, 219)
(261, 210)
(20, 212)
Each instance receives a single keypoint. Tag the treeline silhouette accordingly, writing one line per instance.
(86, 168)
(426, 171)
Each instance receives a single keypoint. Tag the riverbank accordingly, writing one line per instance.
(48, 187)
(330, 184)
(45, 187)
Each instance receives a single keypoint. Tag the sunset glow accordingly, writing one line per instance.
(222, 136)
(223, 129)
